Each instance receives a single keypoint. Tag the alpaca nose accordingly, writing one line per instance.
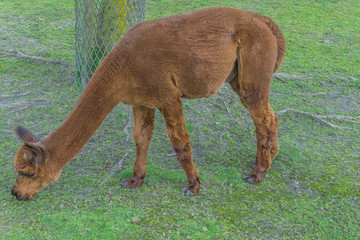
(18, 196)
(14, 192)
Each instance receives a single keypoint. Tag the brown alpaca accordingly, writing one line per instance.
(157, 63)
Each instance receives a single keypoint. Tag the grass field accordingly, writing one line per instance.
(311, 192)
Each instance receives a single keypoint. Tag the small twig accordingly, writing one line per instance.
(220, 170)
(128, 124)
(19, 109)
(118, 166)
(153, 203)
(221, 140)
(26, 102)
(227, 108)
(215, 103)
(315, 118)
(312, 95)
(236, 133)
(336, 96)
(299, 94)
(17, 95)
(342, 118)
(42, 59)
(105, 164)
(7, 131)
(299, 84)
(283, 76)
(171, 154)
(229, 111)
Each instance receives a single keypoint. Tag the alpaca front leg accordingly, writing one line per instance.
(143, 130)
(180, 139)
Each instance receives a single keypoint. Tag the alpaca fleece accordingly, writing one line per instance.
(157, 63)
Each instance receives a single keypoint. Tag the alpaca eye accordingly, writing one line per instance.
(28, 175)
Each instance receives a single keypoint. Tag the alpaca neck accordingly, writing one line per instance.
(97, 100)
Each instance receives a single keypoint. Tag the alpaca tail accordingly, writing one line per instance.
(281, 42)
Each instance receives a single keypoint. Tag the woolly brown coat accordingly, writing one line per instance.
(157, 63)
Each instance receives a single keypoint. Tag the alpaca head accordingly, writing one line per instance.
(31, 164)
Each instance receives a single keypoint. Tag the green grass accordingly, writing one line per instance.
(311, 192)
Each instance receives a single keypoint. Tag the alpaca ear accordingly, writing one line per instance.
(36, 154)
(24, 134)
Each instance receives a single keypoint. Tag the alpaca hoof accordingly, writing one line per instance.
(253, 178)
(132, 182)
(124, 184)
(249, 179)
(187, 191)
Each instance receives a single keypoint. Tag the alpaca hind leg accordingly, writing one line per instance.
(256, 63)
(266, 124)
(143, 130)
(180, 139)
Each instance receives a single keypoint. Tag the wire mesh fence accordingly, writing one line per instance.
(100, 24)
